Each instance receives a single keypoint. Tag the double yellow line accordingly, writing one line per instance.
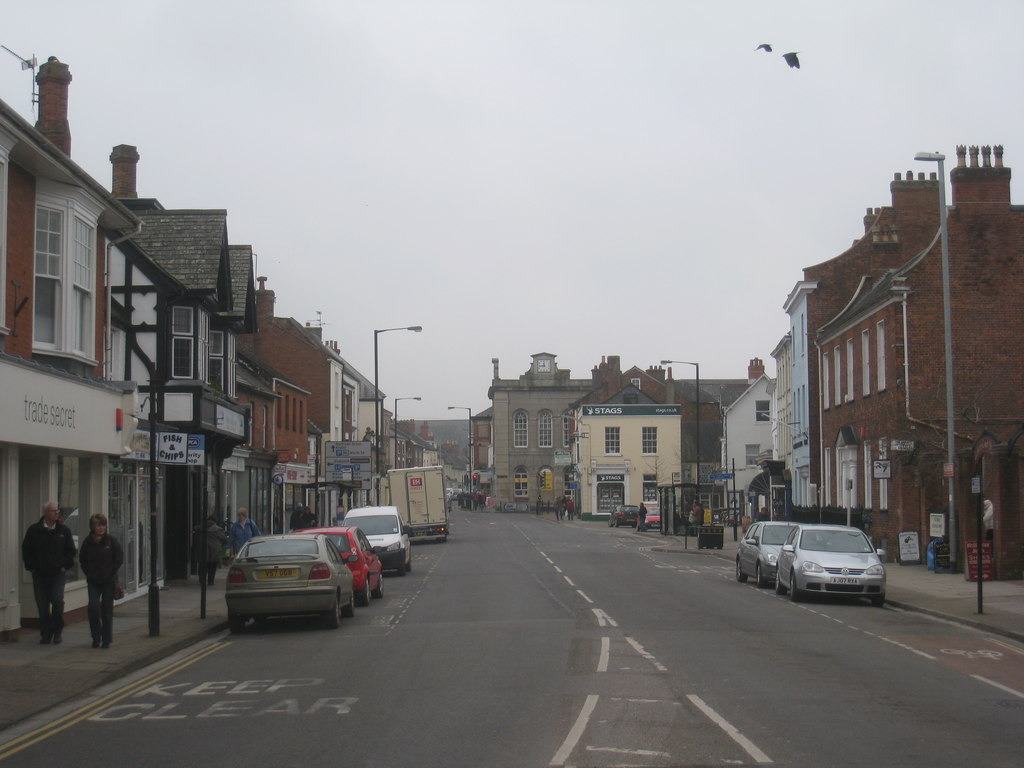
(88, 710)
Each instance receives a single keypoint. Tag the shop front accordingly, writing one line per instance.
(58, 431)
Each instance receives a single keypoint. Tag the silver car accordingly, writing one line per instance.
(758, 552)
(288, 575)
(831, 559)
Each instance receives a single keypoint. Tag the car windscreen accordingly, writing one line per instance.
(375, 525)
(340, 541)
(775, 534)
(835, 541)
(277, 547)
(629, 508)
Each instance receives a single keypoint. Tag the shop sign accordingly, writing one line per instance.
(196, 453)
(630, 410)
(230, 421)
(611, 478)
(171, 447)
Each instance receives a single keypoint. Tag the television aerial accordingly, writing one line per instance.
(27, 64)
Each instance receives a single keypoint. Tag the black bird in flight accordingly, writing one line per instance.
(764, 47)
(792, 60)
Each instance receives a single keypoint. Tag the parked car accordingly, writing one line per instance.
(388, 534)
(288, 575)
(830, 559)
(652, 518)
(758, 552)
(623, 514)
(358, 554)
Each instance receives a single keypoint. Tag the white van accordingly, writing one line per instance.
(387, 533)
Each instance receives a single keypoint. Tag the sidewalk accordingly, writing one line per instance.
(913, 588)
(34, 677)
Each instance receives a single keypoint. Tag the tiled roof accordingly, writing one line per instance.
(187, 243)
(240, 257)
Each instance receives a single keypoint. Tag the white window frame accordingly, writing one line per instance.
(649, 441)
(521, 483)
(849, 370)
(763, 413)
(545, 430)
(837, 378)
(217, 344)
(565, 431)
(868, 465)
(865, 362)
(880, 355)
(71, 265)
(182, 338)
(520, 430)
(826, 382)
(751, 451)
(612, 441)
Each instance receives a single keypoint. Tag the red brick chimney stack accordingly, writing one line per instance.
(264, 302)
(125, 160)
(755, 370)
(53, 79)
(984, 183)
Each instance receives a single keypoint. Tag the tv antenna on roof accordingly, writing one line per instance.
(27, 64)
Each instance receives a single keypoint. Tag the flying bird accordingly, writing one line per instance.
(764, 47)
(792, 60)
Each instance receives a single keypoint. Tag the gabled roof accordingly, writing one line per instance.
(631, 394)
(187, 243)
(243, 291)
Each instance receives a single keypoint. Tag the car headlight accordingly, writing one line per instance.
(394, 547)
(808, 567)
(773, 559)
(875, 570)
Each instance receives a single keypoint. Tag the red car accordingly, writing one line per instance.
(360, 558)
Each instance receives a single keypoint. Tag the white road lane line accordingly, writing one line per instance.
(583, 594)
(568, 581)
(994, 684)
(649, 656)
(602, 661)
(635, 752)
(730, 729)
(603, 619)
(573, 737)
(557, 569)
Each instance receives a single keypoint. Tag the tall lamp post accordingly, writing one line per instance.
(470, 417)
(376, 404)
(697, 405)
(947, 321)
(397, 401)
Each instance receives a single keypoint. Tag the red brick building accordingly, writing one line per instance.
(879, 377)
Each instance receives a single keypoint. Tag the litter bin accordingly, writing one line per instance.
(710, 537)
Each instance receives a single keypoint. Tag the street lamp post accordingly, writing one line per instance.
(697, 405)
(397, 401)
(947, 321)
(470, 417)
(376, 404)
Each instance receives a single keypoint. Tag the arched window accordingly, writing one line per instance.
(521, 483)
(520, 430)
(545, 430)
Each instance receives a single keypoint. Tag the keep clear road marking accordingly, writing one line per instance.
(603, 619)
(602, 661)
(730, 729)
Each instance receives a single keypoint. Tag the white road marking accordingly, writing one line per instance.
(906, 647)
(993, 683)
(650, 657)
(730, 730)
(573, 737)
(568, 581)
(557, 569)
(637, 752)
(603, 619)
(602, 661)
(583, 594)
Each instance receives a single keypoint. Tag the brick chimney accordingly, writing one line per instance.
(988, 182)
(921, 194)
(755, 370)
(264, 302)
(125, 160)
(53, 80)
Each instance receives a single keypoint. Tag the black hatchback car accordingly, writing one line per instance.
(624, 514)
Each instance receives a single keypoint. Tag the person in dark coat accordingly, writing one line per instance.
(48, 550)
(100, 557)
(208, 541)
(297, 521)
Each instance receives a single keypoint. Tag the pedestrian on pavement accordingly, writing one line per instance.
(570, 507)
(100, 557)
(295, 521)
(242, 530)
(696, 515)
(641, 518)
(309, 518)
(48, 550)
(339, 514)
(764, 514)
(208, 541)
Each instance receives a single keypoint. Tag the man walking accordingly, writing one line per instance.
(48, 550)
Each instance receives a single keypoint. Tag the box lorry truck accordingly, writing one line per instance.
(419, 495)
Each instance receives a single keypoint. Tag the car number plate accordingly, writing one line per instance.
(279, 573)
(844, 580)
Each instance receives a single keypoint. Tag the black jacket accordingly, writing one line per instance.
(48, 550)
(101, 559)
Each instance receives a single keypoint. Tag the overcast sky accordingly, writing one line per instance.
(581, 177)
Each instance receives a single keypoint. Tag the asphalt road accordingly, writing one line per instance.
(523, 642)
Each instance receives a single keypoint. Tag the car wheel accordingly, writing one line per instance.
(878, 601)
(236, 623)
(379, 591)
(408, 563)
(780, 589)
(363, 596)
(795, 595)
(761, 580)
(332, 617)
(349, 609)
(741, 577)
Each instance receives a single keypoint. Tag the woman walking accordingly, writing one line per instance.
(100, 557)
